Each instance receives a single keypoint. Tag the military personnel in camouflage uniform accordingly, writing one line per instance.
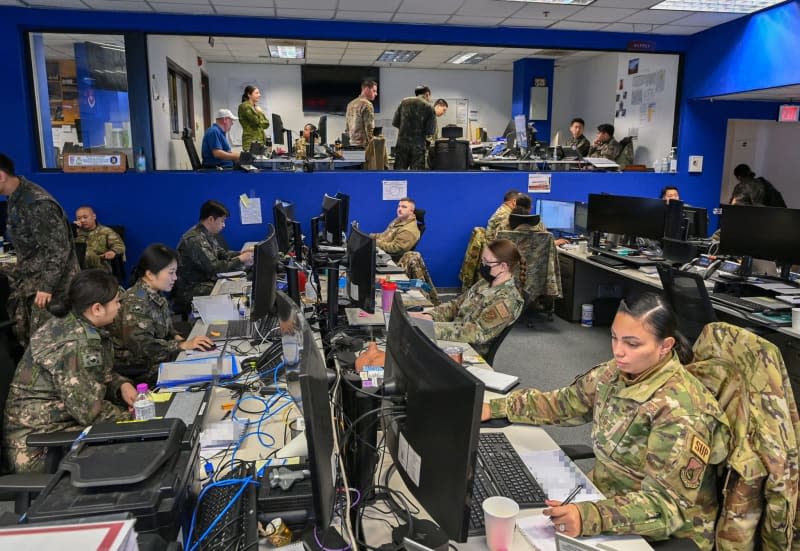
(415, 121)
(65, 379)
(500, 216)
(402, 233)
(360, 115)
(46, 260)
(472, 258)
(252, 118)
(202, 257)
(143, 332)
(657, 433)
(414, 265)
(102, 243)
(604, 144)
(577, 140)
(479, 315)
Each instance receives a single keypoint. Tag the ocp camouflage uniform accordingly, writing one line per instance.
(581, 144)
(253, 122)
(414, 265)
(98, 241)
(472, 258)
(656, 437)
(398, 238)
(143, 334)
(415, 121)
(609, 150)
(542, 269)
(496, 220)
(63, 382)
(479, 315)
(359, 121)
(46, 260)
(201, 259)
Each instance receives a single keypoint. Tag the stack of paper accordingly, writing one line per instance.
(111, 536)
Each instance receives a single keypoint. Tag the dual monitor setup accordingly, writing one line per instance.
(283, 136)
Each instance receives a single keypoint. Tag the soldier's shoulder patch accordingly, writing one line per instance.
(495, 315)
(692, 474)
(91, 358)
(700, 448)
(137, 308)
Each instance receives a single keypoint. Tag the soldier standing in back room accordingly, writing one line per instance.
(360, 115)
(102, 243)
(415, 120)
(46, 260)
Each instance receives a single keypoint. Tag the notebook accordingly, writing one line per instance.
(494, 380)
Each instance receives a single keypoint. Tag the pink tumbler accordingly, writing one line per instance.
(387, 295)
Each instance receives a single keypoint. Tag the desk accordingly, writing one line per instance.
(528, 164)
(297, 165)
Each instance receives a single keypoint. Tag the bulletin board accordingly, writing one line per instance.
(457, 114)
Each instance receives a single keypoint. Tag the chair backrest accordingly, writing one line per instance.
(420, 215)
(747, 375)
(538, 250)
(687, 295)
(495, 346)
(191, 150)
(515, 220)
(451, 155)
(472, 257)
(625, 156)
(80, 252)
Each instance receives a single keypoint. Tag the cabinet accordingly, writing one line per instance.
(62, 91)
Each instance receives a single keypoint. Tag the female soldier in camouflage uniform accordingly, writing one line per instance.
(657, 433)
(143, 332)
(480, 314)
(65, 379)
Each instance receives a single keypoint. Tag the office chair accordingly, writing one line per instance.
(191, 151)
(118, 263)
(687, 296)
(625, 156)
(420, 215)
(495, 346)
(80, 252)
(516, 220)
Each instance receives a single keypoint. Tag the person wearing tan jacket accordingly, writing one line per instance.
(402, 233)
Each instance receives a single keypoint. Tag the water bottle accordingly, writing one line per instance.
(141, 161)
(343, 286)
(143, 407)
(2, 245)
(310, 292)
(673, 160)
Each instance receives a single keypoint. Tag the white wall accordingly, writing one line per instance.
(170, 153)
(770, 149)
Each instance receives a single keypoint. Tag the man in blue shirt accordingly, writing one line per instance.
(216, 148)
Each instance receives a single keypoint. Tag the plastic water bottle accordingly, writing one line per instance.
(343, 286)
(311, 293)
(143, 407)
(673, 160)
(141, 161)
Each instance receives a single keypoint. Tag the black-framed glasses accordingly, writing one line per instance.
(491, 262)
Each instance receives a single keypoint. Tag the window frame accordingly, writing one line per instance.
(176, 74)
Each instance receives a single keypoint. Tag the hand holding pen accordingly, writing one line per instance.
(566, 519)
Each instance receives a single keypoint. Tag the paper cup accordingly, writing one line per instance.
(500, 515)
(796, 319)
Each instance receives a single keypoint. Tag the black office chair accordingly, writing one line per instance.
(687, 295)
(118, 263)
(80, 252)
(420, 215)
(495, 346)
(191, 151)
(515, 220)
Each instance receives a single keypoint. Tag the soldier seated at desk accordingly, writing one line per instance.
(102, 243)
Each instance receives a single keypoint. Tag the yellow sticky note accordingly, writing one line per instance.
(159, 397)
(245, 201)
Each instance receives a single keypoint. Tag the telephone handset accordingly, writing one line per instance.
(703, 265)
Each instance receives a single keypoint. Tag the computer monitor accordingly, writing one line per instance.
(581, 218)
(361, 251)
(344, 209)
(696, 221)
(434, 441)
(265, 275)
(322, 129)
(332, 218)
(282, 215)
(556, 215)
(633, 216)
(769, 233)
(509, 134)
(520, 127)
(277, 130)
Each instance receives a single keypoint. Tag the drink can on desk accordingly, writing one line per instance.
(587, 313)
(455, 352)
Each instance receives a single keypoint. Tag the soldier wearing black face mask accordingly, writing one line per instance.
(480, 314)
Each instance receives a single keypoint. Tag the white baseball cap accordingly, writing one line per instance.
(225, 114)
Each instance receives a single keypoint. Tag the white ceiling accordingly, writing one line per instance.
(601, 15)
(780, 93)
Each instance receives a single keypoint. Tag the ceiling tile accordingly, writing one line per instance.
(10, 3)
(244, 3)
(485, 21)
(620, 28)
(636, 4)
(267, 11)
(524, 22)
(307, 4)
(427, 6)
(489, 7)
(555, 11)
(676, 29)
(609, 15)
(577, 25)
(707, 19)
(656, 17)
(419, 18)
(369, 5)
(174, 7)
(363, 15)
(68, 4)
(304, 14)
(118, 5)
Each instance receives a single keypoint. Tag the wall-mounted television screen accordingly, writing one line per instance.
(107, 66)
(329, 88)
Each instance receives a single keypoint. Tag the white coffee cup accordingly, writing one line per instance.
(500, 515)
(796, 319)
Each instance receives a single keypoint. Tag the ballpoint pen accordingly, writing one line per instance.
(575, 491)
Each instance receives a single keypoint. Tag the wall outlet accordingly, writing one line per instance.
(695, 163)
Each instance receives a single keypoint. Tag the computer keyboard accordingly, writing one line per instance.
(736, 303)
(608, 261)
(234, 287)
(500, 471)
(237, 529)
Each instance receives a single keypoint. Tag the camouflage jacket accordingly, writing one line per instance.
(581, 144)
(749, 378)
(143, 333)
(472, 257)
(201, 259)
(253, 125)
(42, 237)
(360, 121)
(654, 437)
(479, 315)
(415, 121)
(609, 150)
(98, 241)
(496, 220)
(398, 237)
(542, 269)
(64, 381)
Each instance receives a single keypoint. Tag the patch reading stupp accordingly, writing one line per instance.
(700, 449)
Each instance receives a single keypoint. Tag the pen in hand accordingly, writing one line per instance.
(575, 491)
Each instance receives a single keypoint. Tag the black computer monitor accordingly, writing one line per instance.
(581, 218)
(696, 220)
(769, 233)
(344, 209)
(510, 134)
(556, 215)
(633, 216)
(438, 431)
(361, 251)
(277, 130)
(282, 215)
(332, 218)
(265, 275)
(322, 129)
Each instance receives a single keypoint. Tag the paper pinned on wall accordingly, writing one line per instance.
(250, 208)
(538, 183)
(394, 190)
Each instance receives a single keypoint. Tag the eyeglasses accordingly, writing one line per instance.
(490, 262)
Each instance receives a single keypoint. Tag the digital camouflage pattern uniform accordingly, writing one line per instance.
(581, 144)
(359, 121)
(656, 437)
(479, 315)
(98, 241)
(398, 238)
(747, 375)
(201, 259)
(143, 334)
(415, 121)
(46, 259)
(472, 258)
(63, 382)
(499, 217)
(609, 150)
(253, 123)
(414, 265)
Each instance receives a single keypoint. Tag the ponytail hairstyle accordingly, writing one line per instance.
(506, 251)
(87, 288)
(652, 310)
(247, 91)
(155, 258)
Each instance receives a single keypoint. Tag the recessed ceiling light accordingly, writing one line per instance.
(569, 2)
(287, 50)
(468, 58)
(398, 56)
(719, 6)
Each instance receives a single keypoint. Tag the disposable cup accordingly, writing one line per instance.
(796, 319)
(500, 515)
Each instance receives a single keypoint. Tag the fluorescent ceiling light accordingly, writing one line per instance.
(398, 56)
(287, 50)
(468, 58)
(569, 2)
(719, 6)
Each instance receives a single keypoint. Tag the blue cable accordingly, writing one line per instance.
(229, 482)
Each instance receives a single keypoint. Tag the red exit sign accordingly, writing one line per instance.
(789, 113)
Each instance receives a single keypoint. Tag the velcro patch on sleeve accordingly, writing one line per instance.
(700, 449)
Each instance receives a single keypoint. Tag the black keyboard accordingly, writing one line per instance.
(608, 261)
(736, 303)
(237, 528)
(500, 471)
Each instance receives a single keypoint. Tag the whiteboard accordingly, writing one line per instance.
(457, 113)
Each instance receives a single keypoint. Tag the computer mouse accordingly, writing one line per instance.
(414, 309)
(210, 348)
